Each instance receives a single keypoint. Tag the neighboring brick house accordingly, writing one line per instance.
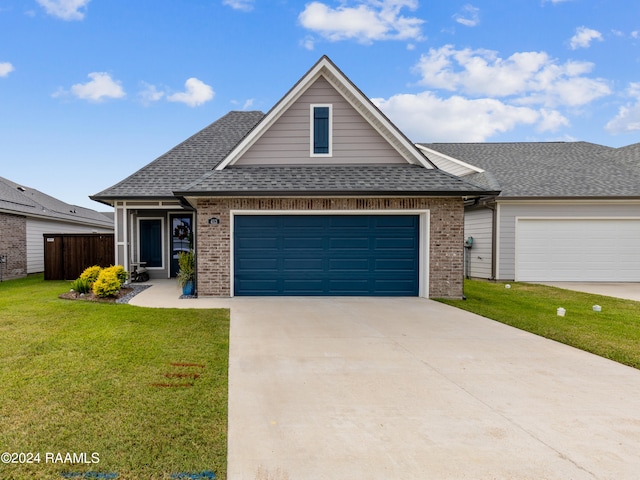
(26, 215)
(323, 195)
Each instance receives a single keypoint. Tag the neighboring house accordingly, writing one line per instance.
(323, 195)
(26, 215)
(566, 212)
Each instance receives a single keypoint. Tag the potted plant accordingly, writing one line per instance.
(187, 272)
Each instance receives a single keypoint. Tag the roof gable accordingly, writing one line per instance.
(449, 164)
(326, 70)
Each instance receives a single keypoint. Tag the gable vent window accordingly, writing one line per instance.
(321, 125)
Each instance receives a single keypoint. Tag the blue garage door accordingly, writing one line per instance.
(326, 255)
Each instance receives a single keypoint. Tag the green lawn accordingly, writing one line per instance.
(613, 333)
(84, 378)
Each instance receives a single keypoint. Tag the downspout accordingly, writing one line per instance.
(494, 239)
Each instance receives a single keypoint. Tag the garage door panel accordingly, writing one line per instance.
(347, 243)
(248, 243)
(302, 264)
(349, 264)
(396, 264)
(303, 243)
(258, 264)
(391, 287)
(578, 250)
(354, 255)
(396, 244)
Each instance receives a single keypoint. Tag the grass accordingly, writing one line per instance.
(613, 333)
(79, 377)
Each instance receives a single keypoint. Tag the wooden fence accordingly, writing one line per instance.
(66, 255)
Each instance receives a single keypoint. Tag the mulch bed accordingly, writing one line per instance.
(92, 297)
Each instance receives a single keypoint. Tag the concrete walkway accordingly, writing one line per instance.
(629, 291)
(359, 388)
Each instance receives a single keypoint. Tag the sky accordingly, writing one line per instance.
(93, 90)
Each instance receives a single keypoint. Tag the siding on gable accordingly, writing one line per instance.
(479, 225)
(448, 165)
(287, 141)
(509, 211)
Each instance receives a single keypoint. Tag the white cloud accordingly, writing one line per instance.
(469, 16)
(365, 22)
(5, 69)
(65, 9)
(627, 120)
(243, 5)
(551, 121)
(196, 93)
(527, 77)
(100, 86)
(149, 94)
(308, 42)
(583, 38)
(426, 118)
(634, 90)
(628, 117)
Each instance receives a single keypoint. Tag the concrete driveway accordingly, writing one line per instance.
(629, 291)
(379, 388)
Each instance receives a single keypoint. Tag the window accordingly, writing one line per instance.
(321, 125)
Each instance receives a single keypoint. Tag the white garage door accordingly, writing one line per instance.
(585, 250)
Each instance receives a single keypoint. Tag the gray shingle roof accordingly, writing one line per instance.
(331, 180)
(189, 169)
(20, 200)
(186, 162)
(556, 169)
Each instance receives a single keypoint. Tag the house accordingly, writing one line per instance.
(26, 214)
(323, 195)
(567, 211)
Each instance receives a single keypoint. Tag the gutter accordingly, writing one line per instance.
(332, 193)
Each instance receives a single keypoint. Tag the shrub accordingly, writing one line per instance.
(187, 271)
(81, 285)
(91, 274)
(121, 273)
(107, 284)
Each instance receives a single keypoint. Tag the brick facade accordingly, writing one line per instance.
(13, 243)
(446, 264)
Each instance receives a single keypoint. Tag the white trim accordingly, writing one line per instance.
(497, 234)
(451, 159)
(574, 217)
(162, 240)
(325, 68)
(312, 137)
(424, 223)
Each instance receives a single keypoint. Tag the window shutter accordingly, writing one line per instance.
(321, 130)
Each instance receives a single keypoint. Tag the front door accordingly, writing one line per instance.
(181, 238)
